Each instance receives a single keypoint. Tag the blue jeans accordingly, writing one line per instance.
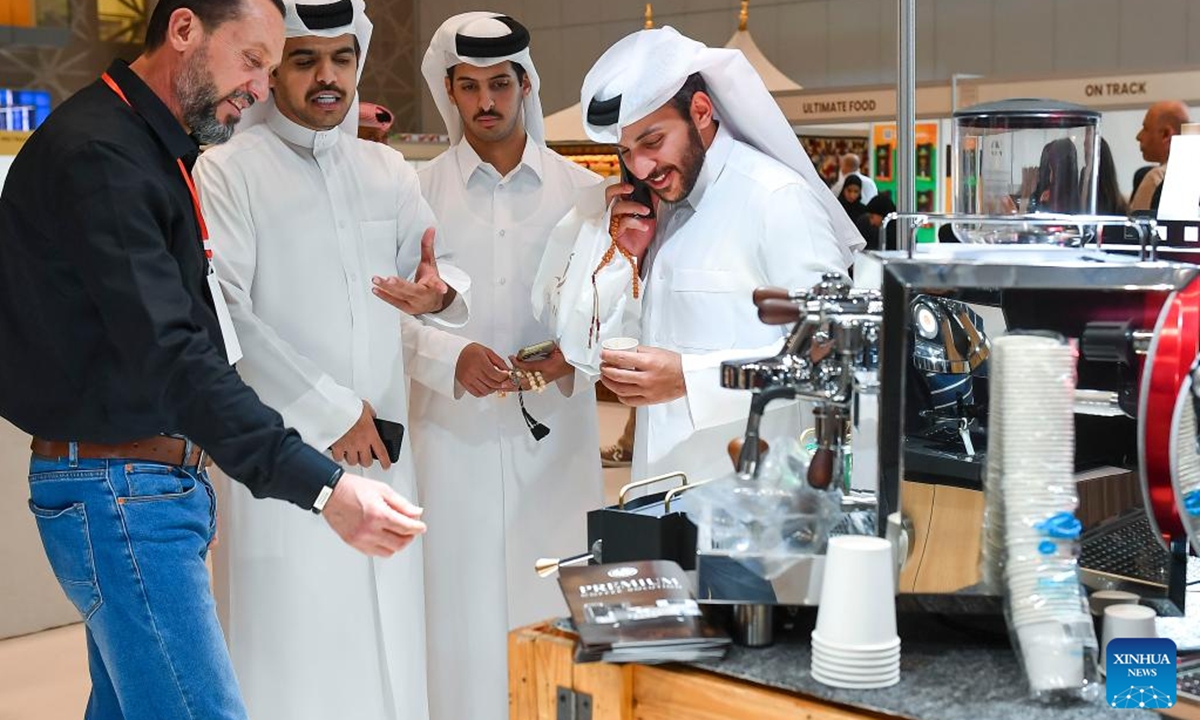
(127, 541)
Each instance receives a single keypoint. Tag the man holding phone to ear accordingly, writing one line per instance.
(737, 204)
(501, 491)
(315, 632)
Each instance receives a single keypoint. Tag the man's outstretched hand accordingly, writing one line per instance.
(425, 293)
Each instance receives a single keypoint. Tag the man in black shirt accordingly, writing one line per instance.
(112, 357)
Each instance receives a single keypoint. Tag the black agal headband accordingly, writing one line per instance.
(327, 16)
(493, 47)
(604, 112)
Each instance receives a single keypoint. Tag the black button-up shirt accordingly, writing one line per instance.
(107, 329)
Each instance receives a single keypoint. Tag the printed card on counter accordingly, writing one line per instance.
(638, 612)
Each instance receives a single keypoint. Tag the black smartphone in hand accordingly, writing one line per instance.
(641, 191)
(392, 434)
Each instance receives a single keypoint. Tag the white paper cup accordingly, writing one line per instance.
(621, 344)
(1126, 621)
(862, 666)
(856, 652)
(856, 674)
(1102, 599)
(851, 685)
(858, 593)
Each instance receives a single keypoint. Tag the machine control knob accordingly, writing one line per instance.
(770, 293)
(778, 312)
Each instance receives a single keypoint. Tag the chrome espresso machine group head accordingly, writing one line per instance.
(830, 355)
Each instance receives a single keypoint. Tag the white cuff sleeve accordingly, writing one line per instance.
(323, 414)
(456, 314)
(709, 404)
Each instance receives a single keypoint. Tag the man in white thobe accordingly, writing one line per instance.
(310, 221)
(850, 164)
(738, 206)
(495, 497)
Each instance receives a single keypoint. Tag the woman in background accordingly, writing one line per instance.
(1109, 200)
(851, 197)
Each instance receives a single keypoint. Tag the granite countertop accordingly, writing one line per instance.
(948, 671)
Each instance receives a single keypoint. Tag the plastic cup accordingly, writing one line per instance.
(858, 603)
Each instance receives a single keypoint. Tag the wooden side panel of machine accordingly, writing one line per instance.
(946, 540)
(916, 503)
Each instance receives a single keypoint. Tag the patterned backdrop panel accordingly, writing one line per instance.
(100, 30)
(392, 65)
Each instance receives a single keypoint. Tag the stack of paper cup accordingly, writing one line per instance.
(1032, 443)
(855, 644)
(992, 549)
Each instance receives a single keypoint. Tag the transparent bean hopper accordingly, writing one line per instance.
(1025, 157)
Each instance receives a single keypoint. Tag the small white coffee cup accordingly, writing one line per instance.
(1102, 599)
(621, 344)
(1126, 621)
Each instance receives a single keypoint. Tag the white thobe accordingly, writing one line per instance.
(869, 188)
(1143, 194)
(495, 498)
(749, 221)
(301, 221)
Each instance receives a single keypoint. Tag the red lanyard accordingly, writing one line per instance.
(187, 177)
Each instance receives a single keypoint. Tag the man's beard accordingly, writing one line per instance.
(689, 166)
(198, 101)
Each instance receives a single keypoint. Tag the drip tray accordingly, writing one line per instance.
(1124, 552)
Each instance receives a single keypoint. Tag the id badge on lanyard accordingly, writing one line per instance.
(233, 349)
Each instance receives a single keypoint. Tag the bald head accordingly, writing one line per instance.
(1163, 121)
(849, 163)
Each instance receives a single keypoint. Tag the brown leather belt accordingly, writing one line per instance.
(160, 449)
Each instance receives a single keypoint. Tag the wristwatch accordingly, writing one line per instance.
(326, 492)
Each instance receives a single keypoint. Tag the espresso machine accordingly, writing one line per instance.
(1131, 318)
(829, 362)
(897, 363)
(1135, 325)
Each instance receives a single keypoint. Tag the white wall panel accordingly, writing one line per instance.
(838, 43)
(1153, 34)
(1022, 37)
